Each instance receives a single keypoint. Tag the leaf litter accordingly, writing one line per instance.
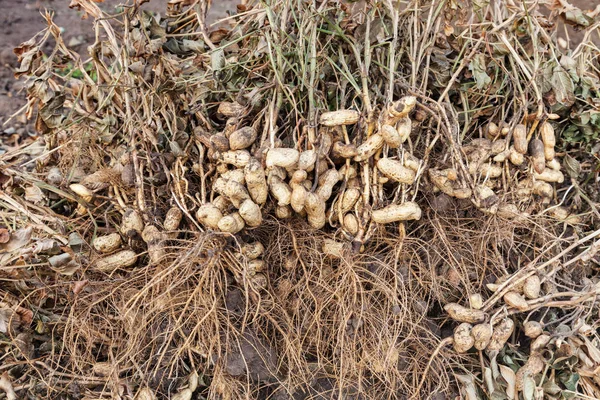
(323, 198)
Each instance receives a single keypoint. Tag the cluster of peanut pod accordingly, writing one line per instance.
(332, 179)
(492, 162)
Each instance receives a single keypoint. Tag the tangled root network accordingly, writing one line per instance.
(319, 199)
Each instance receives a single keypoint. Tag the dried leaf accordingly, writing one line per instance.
(511, 380)
(7, 386)
(34, 194)
(572, 166)
(4, 235)
(564, 89)
(528, 386)
(17, 240)
(5, 316)
(468, 385)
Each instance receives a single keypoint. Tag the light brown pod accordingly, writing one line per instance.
(221, 203)
(236, 193)
(307, 160)
(476, 301)
(399, 109)
(412, 162)
(540, 343)
(397, 212)
(369, 147)
(145, 394)
(514, 299)
(172, 219)
(543, 189)
(250, 212)
(232, 223)
(322, 166)
(209, 215)
(550, 175)
(549, 140)
(239, 158)
(498, 146)
(333, 248)
(230, 109)
(242, 138)
(463, 314)
(280, 191)
(482, 334)
(255, 266)
(501, 334)
(534, 365)
(155, 241)
(219, 142)
(531, 287)
(339, 117)
(282, 157)
(298, 198)
(283, 212)
(536, 151)
(553, 164)
(490, 170)
(132, 223)
(492, 130)
(508, 211)
(253, 250)
(342, 150)
(236, 175)
(107, 244)
(520, 138)
(297, 178)
(463, 340)
(390, 136)
(315, 209)
(350, 223)
(326, 183)
(394, 170)
(515, 157)
(81, 191)
(256, 182)
(404, 128)
(501, 157)
(122, 259)
(348, 171)
(532, 329)
(325, 143)
(349, 198)
(259, 281)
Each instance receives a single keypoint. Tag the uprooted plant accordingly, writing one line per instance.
(295, 202)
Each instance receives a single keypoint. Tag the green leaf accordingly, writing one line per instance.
(478, 69)
(570, 381)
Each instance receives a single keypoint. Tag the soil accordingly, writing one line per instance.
(20, 20)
